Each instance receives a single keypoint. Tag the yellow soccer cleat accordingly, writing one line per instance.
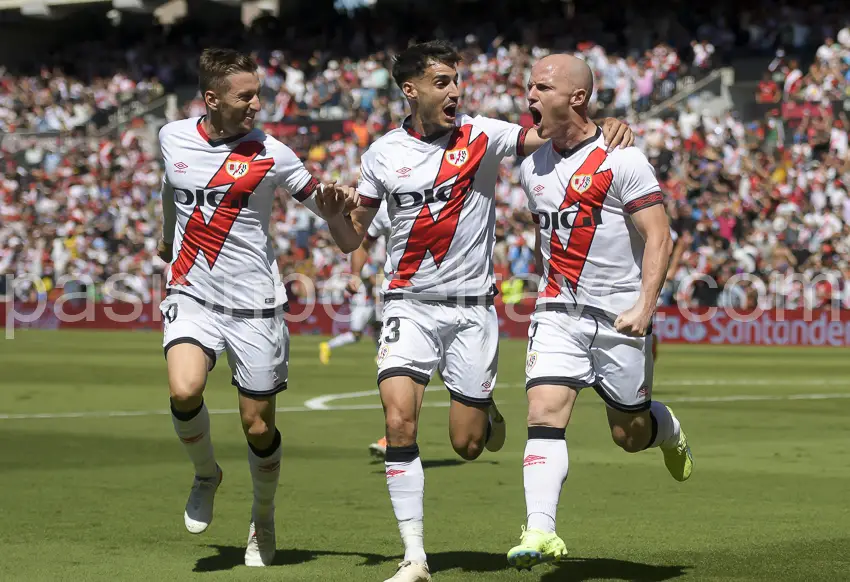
(678, 458)
(324, 353)
(536, 547)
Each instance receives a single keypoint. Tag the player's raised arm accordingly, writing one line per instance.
(615, 132)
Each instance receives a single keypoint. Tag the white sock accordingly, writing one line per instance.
(406, 482)
(342, 340)
(193, 429)
(265, 473)
(544, 470)
(667, 431)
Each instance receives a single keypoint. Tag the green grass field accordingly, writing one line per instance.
(98, 496)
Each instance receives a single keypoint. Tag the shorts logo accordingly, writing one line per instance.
(457, 158)
(533, 460)
(394, 473)
(530, 361)
(237, 169)
(581, 182)
(383, 352)
(487, 386)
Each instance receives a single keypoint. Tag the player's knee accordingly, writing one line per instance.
(255, 427)
(468, 447)
(401, 427)
(627, 439)
(186, 392)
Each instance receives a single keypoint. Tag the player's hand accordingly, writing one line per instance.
(634, 322)
(617, 133)
(333, 199)
(354, 284)
(164, 250)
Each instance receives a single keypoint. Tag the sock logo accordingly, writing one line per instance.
(530, 460)
(395, 473)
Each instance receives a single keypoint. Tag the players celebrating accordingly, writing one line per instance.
(437, 174)
(223, 290)
(604, 240)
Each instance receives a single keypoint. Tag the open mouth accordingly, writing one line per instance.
(450, 110)
(536, 116)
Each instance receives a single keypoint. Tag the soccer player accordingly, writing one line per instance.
(437, 174)
(361, 288)
(223, 292)
(604, 240)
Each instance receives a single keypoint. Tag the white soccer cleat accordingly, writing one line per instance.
(498, 429)
(199, 508)
(261, 544)
(411, 572)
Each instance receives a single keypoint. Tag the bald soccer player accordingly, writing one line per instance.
(603, 242)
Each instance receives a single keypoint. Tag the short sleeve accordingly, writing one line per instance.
(370, 188)
(291, 174)
(532, 206)
(508, 138)
(380, 225)
(635, 183)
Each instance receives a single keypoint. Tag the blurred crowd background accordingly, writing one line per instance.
(741, 107)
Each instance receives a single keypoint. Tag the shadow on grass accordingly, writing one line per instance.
(579, 569)
(229, 557)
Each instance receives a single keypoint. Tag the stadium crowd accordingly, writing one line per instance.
(743, 198)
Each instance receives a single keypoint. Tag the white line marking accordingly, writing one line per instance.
(322, 403)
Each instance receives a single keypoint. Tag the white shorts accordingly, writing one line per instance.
(418, 338)
(257, 348)
(362, 316)
(586, 350)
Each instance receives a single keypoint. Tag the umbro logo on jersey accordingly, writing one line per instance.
(457, 158)
(581, 182)
(237, 169)
(403, 172)
(539, 189)
(181, 167)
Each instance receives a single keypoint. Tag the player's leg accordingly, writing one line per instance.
(258, 350)
(637, 422)
(377, 449)
(191, 342)
(557, 365)
(407, 357)
(469, 372)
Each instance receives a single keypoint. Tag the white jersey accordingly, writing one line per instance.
(582, 200)
(223, 192)
(440, 196)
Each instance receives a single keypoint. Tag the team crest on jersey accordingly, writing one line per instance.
(457, 158)
(581, 182)
(237, 169)
(382, 353)
(530, 361)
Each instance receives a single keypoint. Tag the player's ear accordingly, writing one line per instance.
(579, 98)
(409, 90)
(211, 99)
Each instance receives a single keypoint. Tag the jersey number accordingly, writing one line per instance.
(209, 237)
(569, 260)
(392, 327)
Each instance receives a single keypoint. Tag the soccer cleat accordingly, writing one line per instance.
(199, 508)
(411, 572)
(379, 448)
(536, 547)
(324, 353)
(261, 544)
(678, 458)
(498, 430)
